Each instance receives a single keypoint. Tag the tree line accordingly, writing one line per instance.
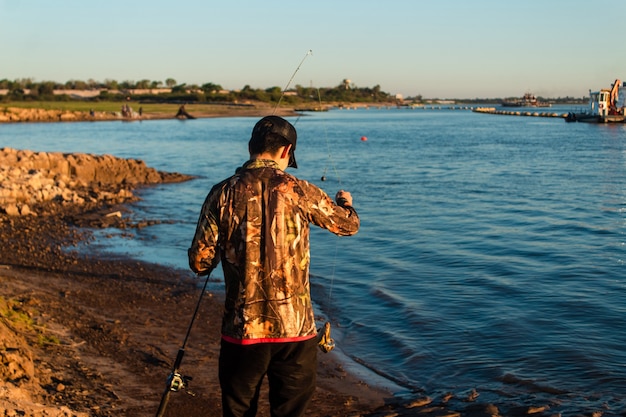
(27, 89)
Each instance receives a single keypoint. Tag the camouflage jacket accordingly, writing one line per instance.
(257, 224)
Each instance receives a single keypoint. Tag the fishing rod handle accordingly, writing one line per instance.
(168, 388)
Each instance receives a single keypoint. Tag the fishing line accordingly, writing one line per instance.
(309, 52)
(334, 166)
(332, 271)
(326, 343)
(330, 156)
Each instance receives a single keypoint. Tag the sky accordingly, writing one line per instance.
(436, 49)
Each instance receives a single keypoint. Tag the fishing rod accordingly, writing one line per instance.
(330, 155)
(176, 381)
(309, 52)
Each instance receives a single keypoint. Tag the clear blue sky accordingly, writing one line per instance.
(444, 48)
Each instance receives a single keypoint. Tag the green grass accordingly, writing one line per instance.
(84, 106)
(43, 340)
(116, 106)
(10, 311)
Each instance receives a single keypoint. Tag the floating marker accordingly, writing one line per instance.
(363, 138)
(323, 178)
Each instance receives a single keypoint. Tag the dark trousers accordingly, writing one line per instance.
(291, 370)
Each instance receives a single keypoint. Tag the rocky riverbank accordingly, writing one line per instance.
(34, 114)
(16, 114)
(32, 179)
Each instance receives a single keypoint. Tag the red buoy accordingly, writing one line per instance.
(363, 138)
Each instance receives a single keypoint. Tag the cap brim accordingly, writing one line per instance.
(292, 161)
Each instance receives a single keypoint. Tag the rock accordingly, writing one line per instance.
(15, 114)
(66, 117)
(25, 210)
(538, 409)
(420, 402)
(30, 178)
(528, 410)
(446, 397)
(11, 210)
(15, 356)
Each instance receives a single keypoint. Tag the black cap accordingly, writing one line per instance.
(281, 127)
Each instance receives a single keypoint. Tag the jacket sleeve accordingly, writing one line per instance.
(325, 213)
(204, 253)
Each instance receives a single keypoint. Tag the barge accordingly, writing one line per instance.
(605, 106)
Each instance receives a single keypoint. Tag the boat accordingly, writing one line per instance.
(529, 100)
(605, 106)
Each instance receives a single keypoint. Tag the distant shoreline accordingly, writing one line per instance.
(47, 112)
(36, 113)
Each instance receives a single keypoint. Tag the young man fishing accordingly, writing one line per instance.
(257, 224)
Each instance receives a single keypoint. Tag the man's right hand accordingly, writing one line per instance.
(343, 198)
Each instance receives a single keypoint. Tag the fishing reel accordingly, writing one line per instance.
(176, 381)
(324, 341)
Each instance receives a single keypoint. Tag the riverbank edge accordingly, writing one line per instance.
(34, 114)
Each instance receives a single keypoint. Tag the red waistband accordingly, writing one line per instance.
(266, 340)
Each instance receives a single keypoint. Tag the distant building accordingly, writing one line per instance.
(78, 93)
(137, 91)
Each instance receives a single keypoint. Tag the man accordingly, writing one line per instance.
(257, 224)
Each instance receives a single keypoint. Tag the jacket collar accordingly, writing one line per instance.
(260, 163)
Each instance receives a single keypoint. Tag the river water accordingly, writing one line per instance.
(491, 254)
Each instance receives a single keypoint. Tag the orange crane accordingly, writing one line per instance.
(613, 97)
